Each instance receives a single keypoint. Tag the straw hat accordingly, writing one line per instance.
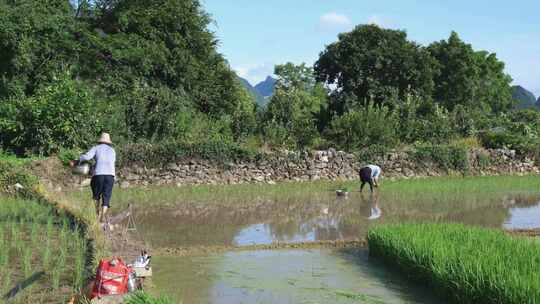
(105, 138)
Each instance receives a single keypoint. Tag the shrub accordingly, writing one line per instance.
(364, 127)
(66, 155)
(434, 126)
(371, 153)
(161, 153)
(500, 139)
(62, 114)
(446, 157)
(484, 160)
(467, 142)
(144, 298)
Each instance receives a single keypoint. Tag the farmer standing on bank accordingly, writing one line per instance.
(370, 174)
(103, 177)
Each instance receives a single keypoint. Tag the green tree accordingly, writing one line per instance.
(292, 113)
(62, 114)
(374, 64)
(148, 61)
(244, 121)
(163, 43)
(469, 78)
(37, 40)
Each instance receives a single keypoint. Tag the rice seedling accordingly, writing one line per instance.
(79, 263)
(3, 247)
(55, 276)
(34, 234)
(32, 231)
(14, 233)
(46, 255)
(5, 256)
(409, 190)
(27, 261)
(6, 280)
(49, 228)
(465, 264)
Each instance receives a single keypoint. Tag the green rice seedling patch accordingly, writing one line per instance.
(465, 264)
(402, 190)
(42, 256)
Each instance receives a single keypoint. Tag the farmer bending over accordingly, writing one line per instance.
(370, 174)
(103, 177)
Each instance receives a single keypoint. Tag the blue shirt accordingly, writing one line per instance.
(105, 157)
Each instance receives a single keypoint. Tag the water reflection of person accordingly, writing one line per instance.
(375, 210)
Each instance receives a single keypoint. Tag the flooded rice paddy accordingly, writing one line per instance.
(329, 219)
(306, 274)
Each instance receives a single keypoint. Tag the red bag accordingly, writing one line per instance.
(111, 278)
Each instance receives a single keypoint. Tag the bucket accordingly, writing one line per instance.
(81, 169)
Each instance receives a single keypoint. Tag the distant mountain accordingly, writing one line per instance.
(266, 88)
(262, 91)
(538, 102)
(525, 98)
(259, 99)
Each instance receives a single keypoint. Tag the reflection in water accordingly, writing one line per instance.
(322, 218)
(523, 217)
(289, 276)
(375, 210)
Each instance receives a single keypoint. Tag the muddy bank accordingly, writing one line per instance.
(534, 232)
(209, 250)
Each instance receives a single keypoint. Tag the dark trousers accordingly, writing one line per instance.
(365, 177)
(102, 186)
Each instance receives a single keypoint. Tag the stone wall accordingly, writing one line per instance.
(316, 165)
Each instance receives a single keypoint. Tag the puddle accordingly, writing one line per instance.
(283, 276)
(325, 218)
(524, 217)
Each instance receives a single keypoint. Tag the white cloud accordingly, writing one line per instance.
(255, 73)
(334, 21)
(381, 21)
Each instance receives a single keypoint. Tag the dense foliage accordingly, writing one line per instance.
(141, 70)
(150, 74)
(465, 264)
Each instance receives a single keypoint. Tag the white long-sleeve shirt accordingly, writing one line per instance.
(375, 171)
(105, 157)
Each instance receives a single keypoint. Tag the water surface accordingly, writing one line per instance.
(325, 218)
(284, 276)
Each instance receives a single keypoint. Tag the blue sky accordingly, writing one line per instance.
(255, 35)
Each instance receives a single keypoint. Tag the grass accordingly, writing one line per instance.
(144, 298)
(465, 264)
(37, 243)
(16, 161)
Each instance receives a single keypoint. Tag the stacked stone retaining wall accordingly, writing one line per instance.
(316, 165)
